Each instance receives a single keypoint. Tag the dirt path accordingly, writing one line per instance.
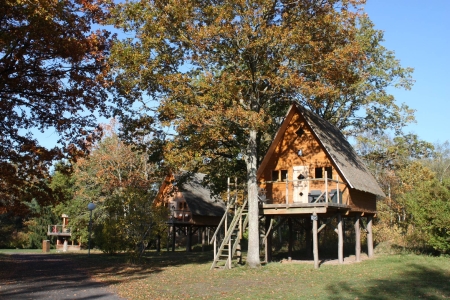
(33, 276)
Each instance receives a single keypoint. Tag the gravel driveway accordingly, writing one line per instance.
(34, 276)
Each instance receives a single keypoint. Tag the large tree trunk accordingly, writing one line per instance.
(253, 260)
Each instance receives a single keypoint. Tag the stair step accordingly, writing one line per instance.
(230, 241)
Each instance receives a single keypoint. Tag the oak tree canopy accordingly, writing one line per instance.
(52, 66)
(223, 73)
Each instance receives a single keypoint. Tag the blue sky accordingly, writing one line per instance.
(419, 34)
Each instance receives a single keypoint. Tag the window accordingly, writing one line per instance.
(318, 173)
(279, 175)
(299, 132)
(329, 171)
(274, 175)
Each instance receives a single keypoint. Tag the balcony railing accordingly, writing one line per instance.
(180, 216)
(59, 230)
(319, 190)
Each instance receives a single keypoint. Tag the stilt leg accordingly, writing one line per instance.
(357, 239)
(174, 233)
(268, 245)
(340, 240)
(369, 236)
(189, 239)
(315, 241)
(290, 238)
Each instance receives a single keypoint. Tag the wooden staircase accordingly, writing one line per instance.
(229, 247)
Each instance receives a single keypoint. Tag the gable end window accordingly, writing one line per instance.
(329, 171)
(320, 172)
(275, 176)
(279, 175)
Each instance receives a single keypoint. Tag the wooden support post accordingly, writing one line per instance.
(239, 237)
(203, 238)
(174, 233)
(268, 244)
(189, 239)
(357, 239)
(315, 219)
(369, 236)
(308, 238)
(168, 238)
(340, 240)
(158, 243)
(241, 230)
(290, 239)
(239, 252)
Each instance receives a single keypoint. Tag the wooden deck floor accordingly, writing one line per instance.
(302, 208)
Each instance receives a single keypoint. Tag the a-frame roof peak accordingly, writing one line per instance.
(336, 147)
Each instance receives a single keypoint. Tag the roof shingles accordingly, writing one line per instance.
(342, 154)
(199, 198)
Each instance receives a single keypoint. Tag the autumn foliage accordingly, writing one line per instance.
(52, 66)
(223, 73)
(122, 184)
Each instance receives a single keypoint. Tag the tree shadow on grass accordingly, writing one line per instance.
(101, 265)
(414, 282)
(37, 276)
(40, 275)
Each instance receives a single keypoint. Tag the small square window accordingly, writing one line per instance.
(299, 132)
(329, 171)
(275, 175)
(284, 174)
(318, 173)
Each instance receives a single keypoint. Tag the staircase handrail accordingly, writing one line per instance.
(231, 203)
(234, 221)
(229, 233)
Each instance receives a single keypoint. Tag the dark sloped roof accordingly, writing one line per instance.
(342, 154)
(199, 198)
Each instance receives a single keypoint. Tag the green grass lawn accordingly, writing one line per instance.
(181, 275)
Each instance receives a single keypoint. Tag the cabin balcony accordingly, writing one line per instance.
(180, 216)
(303, 196)
(59, 230)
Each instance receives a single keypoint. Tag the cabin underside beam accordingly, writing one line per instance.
(294, 210)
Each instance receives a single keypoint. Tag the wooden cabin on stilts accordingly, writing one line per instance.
(310, 174)
(192, 210)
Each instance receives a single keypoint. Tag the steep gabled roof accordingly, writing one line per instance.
(199, 198)
(336, 147)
